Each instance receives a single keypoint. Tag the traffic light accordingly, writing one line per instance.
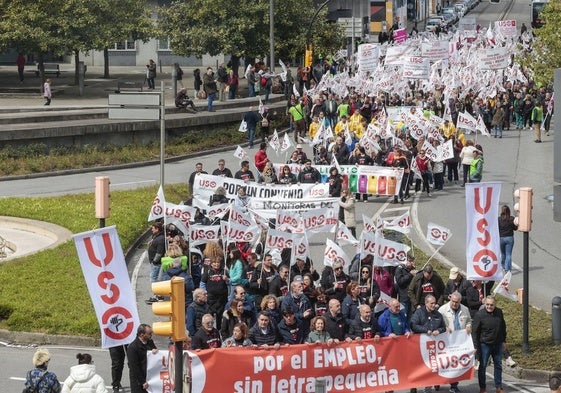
(174, 308)
(524, 209)
(308, 59)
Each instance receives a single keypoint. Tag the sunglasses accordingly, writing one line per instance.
(338, 268)
(365, 272)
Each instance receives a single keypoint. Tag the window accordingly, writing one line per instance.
(124, 45)
(163, 44)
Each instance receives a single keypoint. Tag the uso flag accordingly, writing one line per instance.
(437, 234)
(106, 275)
(483, 249)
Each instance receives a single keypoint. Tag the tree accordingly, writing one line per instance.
(61, 27)
(120, 20)
(241, 28)
(34, 27)
(545, 53)
(215, 27)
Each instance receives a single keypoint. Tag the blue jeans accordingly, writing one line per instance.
(488, 350)
(498, 130)
(267, 92)
(251, 89)
(210, 101)
(507, 243)
(251, 135)
(154, 272)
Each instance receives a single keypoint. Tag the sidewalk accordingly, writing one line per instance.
(15, 94)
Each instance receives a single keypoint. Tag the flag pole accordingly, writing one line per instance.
(435, 252)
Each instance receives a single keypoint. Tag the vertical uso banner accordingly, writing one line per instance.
(483, 247)
(106, 275)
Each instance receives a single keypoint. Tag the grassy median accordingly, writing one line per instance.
(46, 292)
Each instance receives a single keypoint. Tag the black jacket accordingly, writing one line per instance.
(423, 321)
(137, 359)
(270, 337)
(364, 330)
(204, 339)
(335, 326)
(157, 249)
(488, 328)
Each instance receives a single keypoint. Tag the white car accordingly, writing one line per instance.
(432, 23)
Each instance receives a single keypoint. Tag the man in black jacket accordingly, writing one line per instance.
(137, 358)
(364, 326)
(309, 174)
(403, 276)
(335, 323)
(427, 319)
(207, 336)
(489, 336)
(264, 333)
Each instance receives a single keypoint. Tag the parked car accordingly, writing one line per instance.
(432, 23)
(460, 9)
(452, 12)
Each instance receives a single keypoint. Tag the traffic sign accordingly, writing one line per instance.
(135, 106)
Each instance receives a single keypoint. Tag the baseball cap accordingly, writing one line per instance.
(298, 146)
(454, 273)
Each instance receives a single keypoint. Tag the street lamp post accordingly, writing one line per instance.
(272, 35)
(309, 32)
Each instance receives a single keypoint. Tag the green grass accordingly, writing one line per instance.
(46, 292)
(38, 158)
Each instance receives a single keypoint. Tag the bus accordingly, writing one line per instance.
(537, 8)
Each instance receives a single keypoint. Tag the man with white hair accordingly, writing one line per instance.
(456, 317)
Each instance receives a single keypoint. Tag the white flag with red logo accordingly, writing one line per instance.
(180, 215)
(390, 253)
(217, 211)
(367, 244)
(201, 234)
(503, 287)
(370, 226)
(105, 272)
(333, 253)
(437, 234)
(481, 127)
(286, 144)
(344, 236)
(400, 224)
(466, 121)
(300, 249)
(483, 247)
(289, 220)
(240, 153)
(158, 206)
(275, 141)
(319, 220)
(279, 239)
(234, 232)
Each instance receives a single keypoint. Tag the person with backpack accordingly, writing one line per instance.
(39, 380)
(267, 83)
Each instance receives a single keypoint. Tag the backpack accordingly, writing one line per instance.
(263, 81)
(33, 388)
